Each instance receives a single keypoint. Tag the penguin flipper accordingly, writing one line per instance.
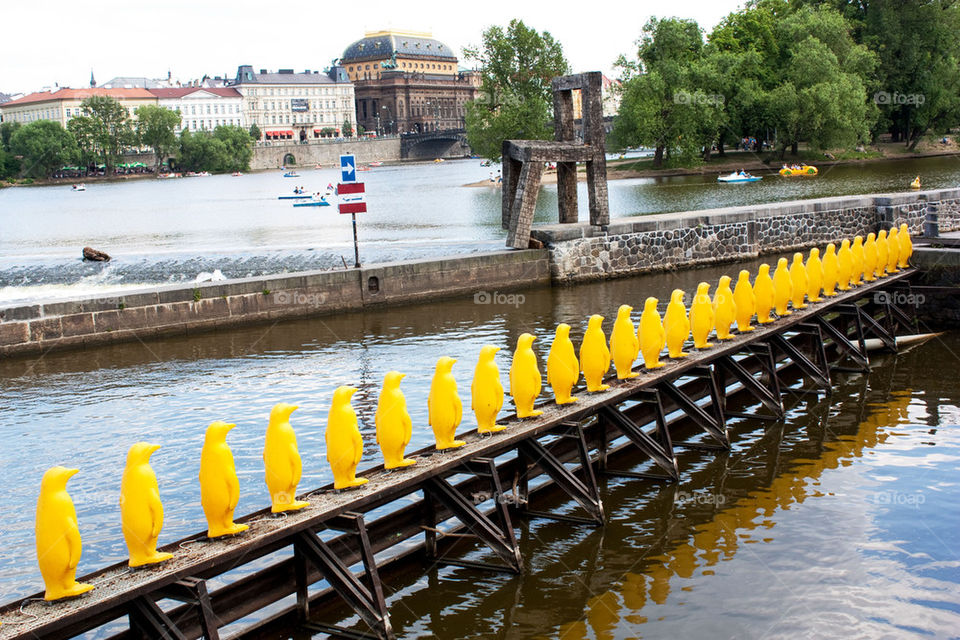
(72, 535)
(156, 513)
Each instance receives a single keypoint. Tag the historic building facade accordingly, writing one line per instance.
(64, 104)
(202, 108)
(407, 82)
(298, 106)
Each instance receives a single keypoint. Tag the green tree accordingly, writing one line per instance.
(44, 146)
(108, 131)
(518, 64)
(9, 164)
(200, 151)
(347, 128)
(7, 129)
(155, 129)
(665, 104)
(238, 147)
(255, 132)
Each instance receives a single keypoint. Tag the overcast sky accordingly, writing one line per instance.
(59, 41)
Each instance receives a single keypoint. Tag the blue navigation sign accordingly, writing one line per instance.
(348, 169)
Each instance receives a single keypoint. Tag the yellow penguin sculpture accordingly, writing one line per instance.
(798, 282)
(830, 270)
(394, 427)
(624, 343)
(745, 301)
(141, 511)
(486, 391)
(883, 253)
(701, 317)
(906, 247)
(563, 368)
(782, 288)
(724, 309)
(856, 249)
(525, 378)
(676, 325)
(344, 444)
(58, 536)
(444, 408)
(763, 294)
(594, 355)
(814, 276)
(219, 487)
(651, 334)
(870, 258)
(844, 266)
(893, 250)
(281, 460)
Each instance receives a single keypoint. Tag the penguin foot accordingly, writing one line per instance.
(567, 400)
(74, 590)
(817, 299)
(494, 429)
(232, 530)
(289, 506)
(705, 345)
(155, 558)
(800, 306)
(830, 294)
(764, 320)
(745, 329)
(451, 445)
(682, 354)
(602, 387)
(406, 462)
(356, 482)
(529, 414)
(655, 366)
(632, 374)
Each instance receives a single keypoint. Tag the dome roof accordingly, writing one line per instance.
(383, 44)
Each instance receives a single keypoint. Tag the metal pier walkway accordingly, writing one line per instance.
(479, 487)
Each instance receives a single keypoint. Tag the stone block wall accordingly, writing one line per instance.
(581, 252)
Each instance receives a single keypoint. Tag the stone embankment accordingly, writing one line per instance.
(627, 246)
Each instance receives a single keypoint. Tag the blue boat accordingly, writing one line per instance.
(294, 196)
(738, 176)
(291, 174)
(312, 203)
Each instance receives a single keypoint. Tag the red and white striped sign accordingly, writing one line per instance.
(352, 198)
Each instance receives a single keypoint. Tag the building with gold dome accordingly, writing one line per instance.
(407, 82)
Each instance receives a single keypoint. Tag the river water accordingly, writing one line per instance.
(839, 521)
(167, 231)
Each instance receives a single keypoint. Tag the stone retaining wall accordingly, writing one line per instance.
(581, 252)
(182, 309)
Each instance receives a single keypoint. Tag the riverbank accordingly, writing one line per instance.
(756, 162)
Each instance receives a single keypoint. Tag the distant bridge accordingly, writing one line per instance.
(434, 144)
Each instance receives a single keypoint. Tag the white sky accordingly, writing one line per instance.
(59, 41)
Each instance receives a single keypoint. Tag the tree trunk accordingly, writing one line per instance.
(720, 151)
(783, 150)
(914, 139)
(658, 157)
(793, 148)
(707, 150)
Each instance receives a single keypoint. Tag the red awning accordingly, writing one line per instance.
(317, 130)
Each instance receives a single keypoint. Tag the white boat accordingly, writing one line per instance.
(79, 187)
(738, 176)
(294, 196)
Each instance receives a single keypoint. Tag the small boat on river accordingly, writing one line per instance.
(316, 202)
(291, 174)
(739, 176)
(79, 187)
(801, 170)
(294, 196)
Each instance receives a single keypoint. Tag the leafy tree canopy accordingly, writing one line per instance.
(44, 146)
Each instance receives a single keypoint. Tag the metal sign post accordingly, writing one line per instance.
(352, 201)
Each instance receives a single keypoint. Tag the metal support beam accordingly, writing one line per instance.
(364, 603)
(149, 620)
(658, 447)
(769, 398)
(193, 591)
(819, 371)
(501, 540)
(711, 422)
(879, 331)
(585, 491)
(856, 352)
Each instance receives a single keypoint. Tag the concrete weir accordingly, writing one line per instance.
(181, 309)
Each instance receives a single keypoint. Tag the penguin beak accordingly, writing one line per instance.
(69, 473)
(228, 427)
(293, 408)
(151, 448)
(402, 376)
(350, 391)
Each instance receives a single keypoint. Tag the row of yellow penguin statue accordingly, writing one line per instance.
(57, 533)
